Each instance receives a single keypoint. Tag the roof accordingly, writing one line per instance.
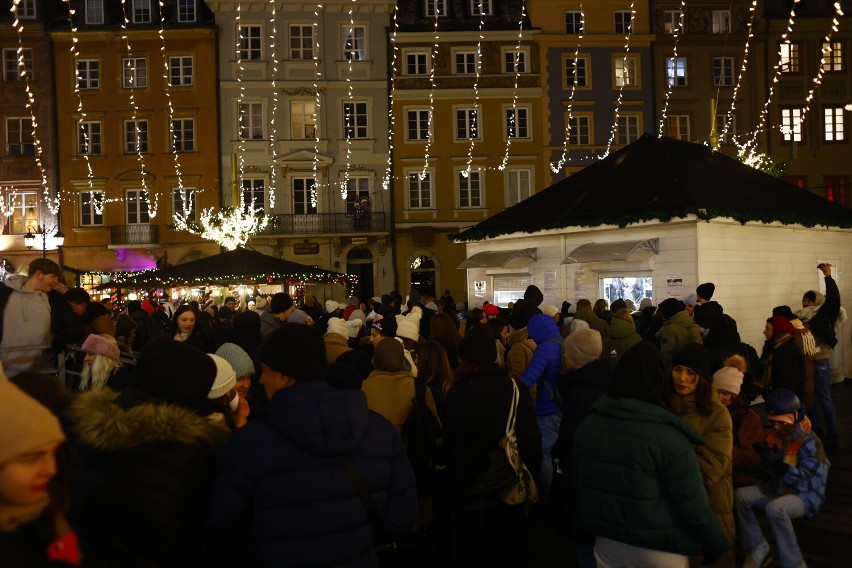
(662, 179)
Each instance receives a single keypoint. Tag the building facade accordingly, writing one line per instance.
(137, 133)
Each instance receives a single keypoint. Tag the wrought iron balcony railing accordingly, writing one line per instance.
(289, 224)
(130, 235)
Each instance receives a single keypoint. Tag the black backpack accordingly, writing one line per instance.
(424, 443)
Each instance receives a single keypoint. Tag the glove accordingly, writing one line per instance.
(779, 468)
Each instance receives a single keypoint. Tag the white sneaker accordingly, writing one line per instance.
(757, 556)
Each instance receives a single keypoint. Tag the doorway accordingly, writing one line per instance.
(359, 263)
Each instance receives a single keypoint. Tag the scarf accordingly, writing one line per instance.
(792, 443)
(808, 341)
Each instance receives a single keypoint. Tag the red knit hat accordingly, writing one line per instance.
(490, 309)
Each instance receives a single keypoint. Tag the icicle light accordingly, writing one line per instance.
(556, 168)
(474, 127)
(386, 180)
(273, 129)
(730, 114)
(432, 86)
(350, 118)
(673, 59)
(513, 118)
(241, 147)
(317, 103)
(621, 89)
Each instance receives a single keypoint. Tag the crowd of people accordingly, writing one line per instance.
(371, 432)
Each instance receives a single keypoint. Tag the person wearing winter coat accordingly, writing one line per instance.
(723, 341)
(519, 352)
(747, 427)
(282, 495)
(146, 462)
(783, 362)
(621, 336)
(639, 488)
(336, 338)
(678, 329)
(541, 373)
(102, 366)
(477, 409)
(584, 313)
(586, 379)
(188, 327)
(694, 399)
(792, 485)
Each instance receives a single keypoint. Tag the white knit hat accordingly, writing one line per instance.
(728, 379)
(408, 326)
(226, 378)
(337, 326)
(549, 310)
(331, 306)
(354, 325)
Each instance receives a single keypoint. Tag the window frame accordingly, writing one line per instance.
(836, 189)
(184, 7)
(248, 131)
(352, 51)
(179, 143)
(303, 206)
(586, 74)
(141, 210)
(516, 60)
(308, 121)
(681, 122)
(423, 194)
(361, 128)
(790, 62)
(92, 207)
(788, 114)
(628, 117)
(88, 8)
(676, 72)
(523, 122)
(176, 63)
(673, 22)
(89, 142)
(468, 62)
(576, 25)
(177, 203)
(251, 45)
(620, 25)
(718, 23)
(27, 10)
(84, 77)
(723, 68)
(576, 137)
(136, 142)
(354, 192)
(837, 124)
(11, 70)
(472, 123)
(29, 212)
(834, 57)
(253, 186)
(732, 129)
(416, 53)
(470, 190)
(130, 76)
(26, 149)
(419, 122)
(429, 7)
(622, 59)
(298, 53)
(481, 8)
(140, 14)
(517, 189)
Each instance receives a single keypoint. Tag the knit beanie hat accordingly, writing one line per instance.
(388, 355)
(533, 295)
(226, 377)
(550, 311)
(261, 303)
(705, 291)
(781, 325)
(100, 345)
(408, 326)
(617, 305)
(298, 316)
(785, 312)
(331, 306)
(490, 309)
(280, 303)
(708, 314)
(225, 312)
(728, 379)
(358, 315)
(238, 358)
(583, 346)
(478, 346)
(696, 357)
(26, 423)
(386, 324)
(691, 300)
(670, 307)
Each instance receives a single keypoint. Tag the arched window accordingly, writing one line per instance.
(423, 275)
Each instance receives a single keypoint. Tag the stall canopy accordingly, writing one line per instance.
(500, 258)
(234, 267)
(616, 251)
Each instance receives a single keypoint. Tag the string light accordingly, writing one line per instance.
(350, 125)
(273, 129)
(474, 126)
(230, 227)
(673, 60)
(317, 103)
(826, 51)
(51, 202)
(513, 118)
(391, 118)
(730, 114)
(432, 86)
(621, 89)
(241, 148)
(134, 77)
(564, 157)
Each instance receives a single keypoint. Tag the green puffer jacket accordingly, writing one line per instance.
(588, 316)
(676, 332)
(638, 480)
(621, 337)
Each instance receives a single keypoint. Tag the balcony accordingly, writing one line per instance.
(134, 235)
(288, 224)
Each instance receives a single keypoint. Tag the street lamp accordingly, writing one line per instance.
(30, 239)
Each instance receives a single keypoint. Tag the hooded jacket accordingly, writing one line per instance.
(675, 333)
(520, 352)
(821, 320)
(545, 365)
(588, 316)
(620, 337)
(142, 483)
(280, 497)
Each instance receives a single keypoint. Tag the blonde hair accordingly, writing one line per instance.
(95, 376)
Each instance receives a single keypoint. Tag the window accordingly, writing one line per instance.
(436, 8)
(183, 135)
(355, 119)
(89, 139)
(303, 123)
(723, 71)
(728, 138)
(672, 22)
(625, 72)
(302, 197)
(799, 181)
(27, 9)
(180, 71)
(481, 8)
(832, 53)
(470, 188)
(94, 12)
(833, 125)
(574, 23)
(186, 11)
(791, 124)
(141, 11)
(137, 207)
(135, 136)
(358, 197)
(721, 21)
(626, 129)
(301, 42)
(576, 72)
(465, 62)
(23, 212)
(416, 63)
(355, 43)
(183, 203)
(419, 190)
(518, 122)
(467, 124)
(250, 43)
(676, 71)
(134, 72)
(623, 21)
(253, 195)
(837, 189)
(11, 70)
(677, 126)
(515, 61)
(789, 57)
(417, 124)
(88, 74)
(91, 208)
(519, 185)
(251, 121)
(19, 137)
(579, 130)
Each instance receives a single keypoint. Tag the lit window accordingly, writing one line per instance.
(574, 23)
(791, 124)
(833, 125)
(623, 21)
(467, 124)
(417, 124)
(832, 53)
(723, 71)
(470, 188)
(303, 122)
(251, 121)
(517, 122)
(625, 72)
(355, 119)
(673, 22)
(19, 137)
(789, 57)
(579, 130)
(519, 185)
(678, 126)
(180, 71)
(135, 136)
(676, 71)
(251, 43)
(134, 72)
(22, 211)
(355, 43)
(183, 135)
(721, 21)
(837, 189)
(419, 190)
(302, 204)
(91, 208)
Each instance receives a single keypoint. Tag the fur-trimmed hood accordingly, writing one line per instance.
(105, 426)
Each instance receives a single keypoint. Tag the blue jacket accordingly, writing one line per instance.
(281, 498)
(808, 477)
(545, 365)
